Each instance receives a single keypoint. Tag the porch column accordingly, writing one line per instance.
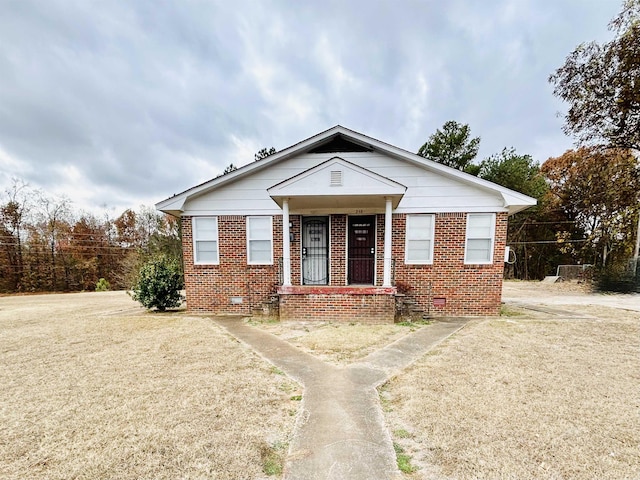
(286, 245)
(388, 216)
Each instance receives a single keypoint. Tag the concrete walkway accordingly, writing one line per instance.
(340, 433)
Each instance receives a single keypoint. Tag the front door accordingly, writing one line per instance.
(362, 250)
(315, 251)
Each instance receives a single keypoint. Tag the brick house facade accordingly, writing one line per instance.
(334, 233)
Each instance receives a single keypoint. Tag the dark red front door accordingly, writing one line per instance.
(362, 250)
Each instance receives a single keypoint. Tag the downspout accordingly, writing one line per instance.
(637, 249)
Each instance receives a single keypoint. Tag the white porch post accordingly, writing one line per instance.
(286, 245)
(388, 215)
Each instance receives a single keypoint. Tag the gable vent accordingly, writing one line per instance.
(336, 178)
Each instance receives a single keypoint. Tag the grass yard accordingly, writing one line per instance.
(525, 396)
(95, 387)
(337, 343)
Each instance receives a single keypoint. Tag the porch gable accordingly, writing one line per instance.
(334, 183)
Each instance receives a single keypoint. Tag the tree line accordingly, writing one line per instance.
(47, 246)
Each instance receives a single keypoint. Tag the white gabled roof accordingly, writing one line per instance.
(337, 177)
(513, 201)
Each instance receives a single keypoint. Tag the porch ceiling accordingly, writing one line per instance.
(338, 203)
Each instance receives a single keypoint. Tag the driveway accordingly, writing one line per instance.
(562, 293)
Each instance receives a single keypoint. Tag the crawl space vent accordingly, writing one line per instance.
(336, 178)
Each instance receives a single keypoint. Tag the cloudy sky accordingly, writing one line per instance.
(119, 103)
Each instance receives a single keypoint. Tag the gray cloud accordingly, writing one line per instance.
(121, 102)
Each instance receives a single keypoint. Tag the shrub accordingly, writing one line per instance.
(102, 285)
(619, 278)
(158, 284)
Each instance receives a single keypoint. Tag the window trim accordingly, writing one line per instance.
(492, 239)
(432, 234)
(249, 262)
(194, 229)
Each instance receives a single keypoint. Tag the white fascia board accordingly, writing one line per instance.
(173, 205)
(517, 203)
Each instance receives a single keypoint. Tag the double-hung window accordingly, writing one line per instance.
(419, 239)
(480, 237)
(259, 240)
(205, 240)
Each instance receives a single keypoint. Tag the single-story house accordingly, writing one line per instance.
(345, 227)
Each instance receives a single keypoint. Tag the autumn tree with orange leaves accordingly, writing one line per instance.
(47, 246)
(599, 190)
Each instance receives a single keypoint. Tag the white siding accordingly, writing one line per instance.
(427, 192)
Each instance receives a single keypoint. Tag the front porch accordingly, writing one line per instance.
(336, 260)
(338, 187)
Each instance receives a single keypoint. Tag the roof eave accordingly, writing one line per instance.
(514, 201)
(255, 166)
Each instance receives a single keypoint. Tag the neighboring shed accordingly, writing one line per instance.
(345, 227)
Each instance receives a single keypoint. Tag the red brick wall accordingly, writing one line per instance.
(467, 289)
(337, 250)
(338, 308)
(379, 249)
(295, 250)
(210, 287)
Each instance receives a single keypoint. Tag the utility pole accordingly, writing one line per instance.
(637, 249)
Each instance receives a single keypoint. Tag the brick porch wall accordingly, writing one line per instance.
(364, 305)
(295, 251)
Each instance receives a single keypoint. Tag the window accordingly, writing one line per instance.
(205, 240)
(259, 240)
(480, 233)
(419, 244)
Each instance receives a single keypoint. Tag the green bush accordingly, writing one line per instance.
(102, 285)
(158, 284)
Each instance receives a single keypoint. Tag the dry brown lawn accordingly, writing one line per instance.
(533, 394)
(525, 396)
(94, 387)
(337, 343)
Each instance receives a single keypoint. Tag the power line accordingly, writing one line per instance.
(546, 223)
(547, 242)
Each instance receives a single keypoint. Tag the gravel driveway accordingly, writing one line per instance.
(566, 293)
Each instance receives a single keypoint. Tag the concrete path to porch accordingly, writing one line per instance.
(340, 433)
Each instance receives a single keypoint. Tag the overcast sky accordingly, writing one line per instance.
(120, 103)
